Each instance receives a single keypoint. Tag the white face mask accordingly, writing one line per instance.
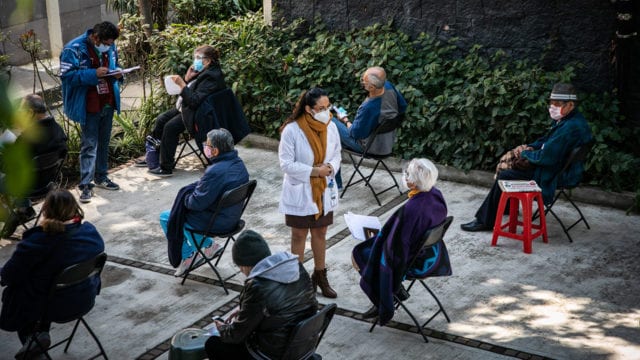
(555, 112)
(102, 48)
(322, 116)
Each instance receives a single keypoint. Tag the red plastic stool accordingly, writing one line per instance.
(527, 235)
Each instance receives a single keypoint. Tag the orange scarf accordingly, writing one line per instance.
(413, 192)
(316, 133)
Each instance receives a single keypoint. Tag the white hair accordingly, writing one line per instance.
(423, 173)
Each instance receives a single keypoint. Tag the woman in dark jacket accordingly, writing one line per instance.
(276, 296)
(61, 240)
(203, 78)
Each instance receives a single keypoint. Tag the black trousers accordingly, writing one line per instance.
(168, 127)
(486, 214)
(216, 349)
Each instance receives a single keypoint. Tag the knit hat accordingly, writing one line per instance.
(563, 92)
(249, 249)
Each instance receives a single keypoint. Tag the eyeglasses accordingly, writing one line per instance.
(199, 57)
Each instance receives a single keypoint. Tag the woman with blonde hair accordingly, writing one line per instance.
(61, 240)
(309, 154)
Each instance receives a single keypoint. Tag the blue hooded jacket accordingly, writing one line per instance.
(77, 76)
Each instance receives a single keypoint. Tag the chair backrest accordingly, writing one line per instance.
(47, 170)
(78, 273)
(385, 126)
(239, 195)
(577, 155)
(306, 335)
(430, 238)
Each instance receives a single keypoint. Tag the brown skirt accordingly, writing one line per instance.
(308, 221)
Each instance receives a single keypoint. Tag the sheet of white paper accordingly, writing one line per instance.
(123, 71)
(172, 88)
(357, 223)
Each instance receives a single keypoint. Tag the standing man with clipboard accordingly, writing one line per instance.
(90, 98)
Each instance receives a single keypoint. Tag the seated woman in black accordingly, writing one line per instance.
(61, 240)
(203, 78)
(400, 239)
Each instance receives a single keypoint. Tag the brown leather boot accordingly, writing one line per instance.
(319, 278)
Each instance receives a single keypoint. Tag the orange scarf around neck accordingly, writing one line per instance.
(316, 133)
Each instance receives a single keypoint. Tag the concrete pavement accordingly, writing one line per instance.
(565, 301)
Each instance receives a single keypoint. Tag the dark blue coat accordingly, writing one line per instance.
(38, 258)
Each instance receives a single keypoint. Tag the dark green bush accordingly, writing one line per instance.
(465, 109)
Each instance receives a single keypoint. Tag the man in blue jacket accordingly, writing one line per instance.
(383, 102)
(543, 158)
(91, 95)
(195, 206)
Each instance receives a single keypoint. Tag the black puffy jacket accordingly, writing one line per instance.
(276, 296)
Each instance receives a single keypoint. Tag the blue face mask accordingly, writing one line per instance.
(102, 48)
(198, 65)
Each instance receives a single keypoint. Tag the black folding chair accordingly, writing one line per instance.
(70, 276)
(239, 196)
(47, 173)
(431, 260)
(193, 149)
(577, 155)
(386, 126)
(305, 336)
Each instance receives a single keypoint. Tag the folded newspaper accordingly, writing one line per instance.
(362, 226)
(519, 186)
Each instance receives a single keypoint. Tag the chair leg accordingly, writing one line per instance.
(356, 170)
(93, 335)
(73, 332)
(392, 177)
(415, 321)
(439, 305)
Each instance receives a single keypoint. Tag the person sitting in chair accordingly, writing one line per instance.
(196, 203)
(203, 78)
(383, 102)
(277, 295)
(403, 234)
(61, 240)
(543, 158)
(42, 136)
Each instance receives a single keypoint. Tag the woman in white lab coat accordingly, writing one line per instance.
(309, 154)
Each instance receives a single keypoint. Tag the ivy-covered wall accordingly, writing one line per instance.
(554, 33)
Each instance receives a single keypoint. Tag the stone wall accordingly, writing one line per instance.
(552, 33)
(76, 16)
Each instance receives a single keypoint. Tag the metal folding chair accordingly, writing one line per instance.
(430, 260)
(239, 196)
(70, 276)
(384, 127)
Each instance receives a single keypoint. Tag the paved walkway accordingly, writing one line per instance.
(565, 301)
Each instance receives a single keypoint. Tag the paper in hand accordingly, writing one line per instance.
(172, 88)
(358, 223)
(122, 71)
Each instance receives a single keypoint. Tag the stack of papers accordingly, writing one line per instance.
(519, 186)
(361, 226)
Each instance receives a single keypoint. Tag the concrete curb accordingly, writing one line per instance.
(584, 194)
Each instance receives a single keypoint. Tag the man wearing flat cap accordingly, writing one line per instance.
(543, 158)
(277, 295)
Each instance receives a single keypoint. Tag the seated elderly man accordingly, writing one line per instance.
(195, 203)
(543, 158)
(277, 295)
(403, 233)
(383, 102)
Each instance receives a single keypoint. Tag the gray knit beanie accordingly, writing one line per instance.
(249, 249)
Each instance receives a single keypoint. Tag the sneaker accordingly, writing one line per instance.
(184, 265)
(31, 352)
(160, 172)
(86, 195)
(107, 184)
(210, 251)
(140, 163)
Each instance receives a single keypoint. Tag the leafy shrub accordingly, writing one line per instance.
(465, 108)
